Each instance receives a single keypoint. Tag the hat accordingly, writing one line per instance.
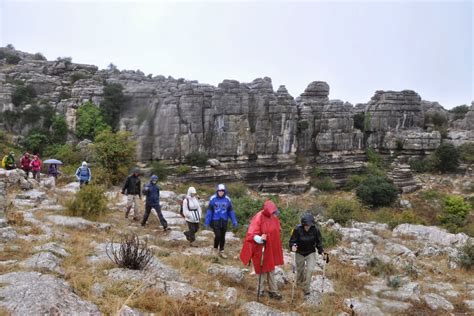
(136, 170)
(192, 190)
(307, 219)
(221, 187)
(154, 178)
(84, 164)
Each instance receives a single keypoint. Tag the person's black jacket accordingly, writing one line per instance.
(306, 241)
(132, 186)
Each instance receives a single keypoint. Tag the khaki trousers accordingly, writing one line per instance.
(304, 270)
(270, 276)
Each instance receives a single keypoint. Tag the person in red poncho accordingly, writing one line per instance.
(264, 230)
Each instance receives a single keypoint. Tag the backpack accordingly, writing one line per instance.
(4, 162)
(181, 212)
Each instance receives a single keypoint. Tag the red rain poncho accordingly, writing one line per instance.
(263, 223)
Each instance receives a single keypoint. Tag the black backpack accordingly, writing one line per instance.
(181, 207)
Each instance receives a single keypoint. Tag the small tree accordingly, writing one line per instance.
(448, 157)
(376, 191)
(196, 158)
(459, 111)
(23, 94)
(466, 152)
(455, 212)
(113, 104)
(37, 141)
(115, 153)
(90, 202)
(59, 129)
(160, 169)
(89, 121)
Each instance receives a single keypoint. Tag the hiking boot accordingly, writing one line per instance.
(143, 224)
(165, 229)
(136, 219)
(188, 238)
(275, 295)
(222, 255)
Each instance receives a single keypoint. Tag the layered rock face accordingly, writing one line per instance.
(257, 134)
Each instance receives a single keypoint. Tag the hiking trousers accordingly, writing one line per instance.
(272, 285)
(192, 230)
(304, 270)
(160, 216)
(220, 228)
(133, 200)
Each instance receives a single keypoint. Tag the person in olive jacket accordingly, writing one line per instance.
(132, 188)
(305, 240)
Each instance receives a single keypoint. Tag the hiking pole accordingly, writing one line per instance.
(261, 268)
(326, 261)
(293, 267)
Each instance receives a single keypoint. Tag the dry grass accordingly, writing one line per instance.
(15, 219)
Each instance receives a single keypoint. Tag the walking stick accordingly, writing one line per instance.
(293, 267)
(326, 261)
(261, 268)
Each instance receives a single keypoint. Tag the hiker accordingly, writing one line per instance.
(25, 164)
(35, 166)
(53, 171)
(83, 174)
(8, 161)
(152, 193)
(217, 215)
(133, 189)
(305, 240)
(192, 214)
(264, 233)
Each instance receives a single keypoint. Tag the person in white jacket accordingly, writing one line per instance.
(192, 214)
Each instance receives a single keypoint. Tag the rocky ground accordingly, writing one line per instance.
(55, 264)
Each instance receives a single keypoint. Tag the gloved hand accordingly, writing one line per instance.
(235, 225)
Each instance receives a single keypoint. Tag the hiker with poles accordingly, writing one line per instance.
(305, 240)
(262, 245)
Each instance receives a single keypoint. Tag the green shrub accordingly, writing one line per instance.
(113, 104)
(342, 210)
(330, 237)
(64, 95)
(196, 159)
(183, 169)
(436, 119)
(160, 169)
(376, 191)
(115, 153)
(353, 181)
(89, 122)
(394, 282)
(374, 157)
(78, 76)
(377, 267)
(466, 153)
(39, 56)
(289, 218)
(320, 181)
(455, 212)
(459, 111)
(12, 59)
(431, 195)
(466, 256)
(59, 129)
(237, 189)
(448, 157)
(23, 95)
(418, 165)
(89, 202)
(67, 153)
(36, 141)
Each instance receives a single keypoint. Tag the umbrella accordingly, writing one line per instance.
(55, 161)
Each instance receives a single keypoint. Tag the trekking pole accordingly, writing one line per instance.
(293, 267)
(326, 261)
(261, 268)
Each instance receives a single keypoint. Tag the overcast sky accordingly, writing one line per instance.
(357, 47)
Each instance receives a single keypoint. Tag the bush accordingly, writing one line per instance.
(376, 191)
(455, 212)
(237, 189)
(448, 158)
(90, 202)
(36, 141)
(378, 268)
(78, 76)
(89, 122)
(59, 129)
(196, 159)
(459, 111)
(374, 157)
(39, 56)
(160, 169)
(12, 59)
(67, 153)
(183, 169)
(115, 153)
(330, 237)
(435, 118)
(466, 256)
(131, 254)
(23, 95)
(466, 153)
(113, 104)
(320, 181)
(353, 181)
(342, 210)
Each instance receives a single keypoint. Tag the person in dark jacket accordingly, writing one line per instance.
(10, 161)
(133, 189)
(152, 193)
(53, 171)
(305, 240)
(218, 213)
(25, 164)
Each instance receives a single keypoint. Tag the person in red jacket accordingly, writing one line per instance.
(264, 231)
(36, 167)
(25, 163)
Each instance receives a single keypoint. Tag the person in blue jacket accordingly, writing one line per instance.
(218, 213)
(152, 192)
(83, 174)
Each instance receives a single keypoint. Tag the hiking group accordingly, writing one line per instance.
(262, 244)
